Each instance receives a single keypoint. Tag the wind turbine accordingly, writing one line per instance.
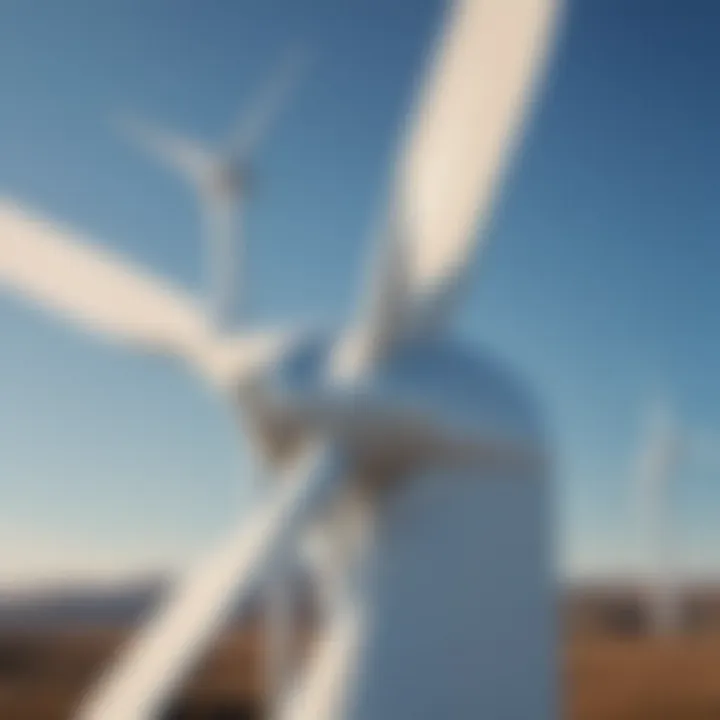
(223, 177)
(661, 453)
(444, 592)
(667, 445)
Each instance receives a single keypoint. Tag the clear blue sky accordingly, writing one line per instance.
(600, 283)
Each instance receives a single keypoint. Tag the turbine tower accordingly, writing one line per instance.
(658, 465)
(222, 177)
(421, 465)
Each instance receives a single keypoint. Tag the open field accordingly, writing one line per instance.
(612, 669)
(43, 676)
(643, 679)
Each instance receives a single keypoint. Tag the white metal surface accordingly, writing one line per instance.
(457, 613)
(166, 650)
(460, 141)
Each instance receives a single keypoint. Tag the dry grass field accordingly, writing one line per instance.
(643, 679)
(612, 671)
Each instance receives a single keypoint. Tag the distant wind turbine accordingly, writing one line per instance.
(224, 176)
(660, 455)
(666, 448)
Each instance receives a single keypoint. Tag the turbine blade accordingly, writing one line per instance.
(704, 447)
(233, 363)
(178, 153)
(140, 686)
(257, 121)
(462, 134)
(52, 268)
(89, 285)
(279, 632)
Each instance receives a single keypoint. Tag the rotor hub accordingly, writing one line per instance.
(434, 402)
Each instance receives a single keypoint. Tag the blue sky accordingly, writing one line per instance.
(599, 283)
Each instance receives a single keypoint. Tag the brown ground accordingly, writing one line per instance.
(613, 671)
(643, 679)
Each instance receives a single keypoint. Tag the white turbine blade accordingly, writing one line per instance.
(334, 665)
(155, 665)
(470, 111)
(187, 157)
(704, 447)
(50, 267)
(279, 632)
(257, 121)
(234, 362)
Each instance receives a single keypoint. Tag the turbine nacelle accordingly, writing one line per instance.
(434, 403)
(230, 182)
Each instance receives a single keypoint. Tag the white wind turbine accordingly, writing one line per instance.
(667, 446)
(223, 176)
(444, 598)
(660, 456)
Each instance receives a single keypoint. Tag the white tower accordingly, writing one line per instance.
(658, 466)
(455, 612)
